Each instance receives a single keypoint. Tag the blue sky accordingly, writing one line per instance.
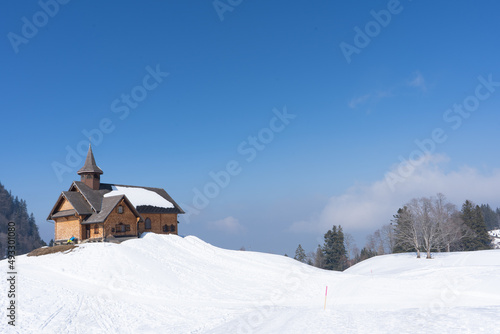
(314, 135)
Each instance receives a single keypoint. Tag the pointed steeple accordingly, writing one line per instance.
(90, 173)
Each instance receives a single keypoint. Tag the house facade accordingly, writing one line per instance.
(95, 211)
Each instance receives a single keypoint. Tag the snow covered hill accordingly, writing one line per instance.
(169, 284)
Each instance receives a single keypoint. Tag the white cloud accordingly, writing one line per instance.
(229, 225)
(418, 81)
(371, 98)
(358, 100)
(368, 207)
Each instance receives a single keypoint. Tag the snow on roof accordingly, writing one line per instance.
(140, 196)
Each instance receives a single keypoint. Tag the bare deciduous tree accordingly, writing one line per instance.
(452, 228)
(375, 243)
(379, 243)
(388, 239)
(319, 258)
(425, 213)
(349, 244)
(431, 223)
(371, 244)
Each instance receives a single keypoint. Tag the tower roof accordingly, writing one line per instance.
(90, 165)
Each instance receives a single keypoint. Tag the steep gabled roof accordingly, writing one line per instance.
(90, 166)
(97, 207)
(108, 204)
(78, 202)
(93, 197)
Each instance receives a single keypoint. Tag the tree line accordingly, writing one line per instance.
(15, 210)
(426, 224)
(331, 256)
(432, 224)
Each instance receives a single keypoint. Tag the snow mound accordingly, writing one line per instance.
(170, 284)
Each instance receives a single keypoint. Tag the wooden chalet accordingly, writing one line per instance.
(95, 211)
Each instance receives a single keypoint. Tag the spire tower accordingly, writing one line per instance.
(90, 173)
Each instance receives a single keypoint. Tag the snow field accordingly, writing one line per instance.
(170, 284)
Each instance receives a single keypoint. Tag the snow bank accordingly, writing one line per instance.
(169, 284)
(496, 238)
(494, 233)
(140, 196)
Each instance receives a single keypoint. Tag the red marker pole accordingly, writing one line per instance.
(326, 294)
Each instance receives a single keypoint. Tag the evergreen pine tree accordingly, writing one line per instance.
(490, 217)
(328, 248)
(300, 254)
(366, 254)
(334, 249)
(467, 215)
(15, 210)
(473, 219)
(497, 211)
(341, 251)
(405, 235)
(482, 236)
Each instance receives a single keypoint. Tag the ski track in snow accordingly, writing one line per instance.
(169, 284)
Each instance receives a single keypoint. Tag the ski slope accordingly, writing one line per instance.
(170, 284)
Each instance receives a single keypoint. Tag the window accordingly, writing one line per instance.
(147, 224)
(165, 228)
(121, 228)
(120, 208)
(172, 228)
(113, 230)
(96, 229)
